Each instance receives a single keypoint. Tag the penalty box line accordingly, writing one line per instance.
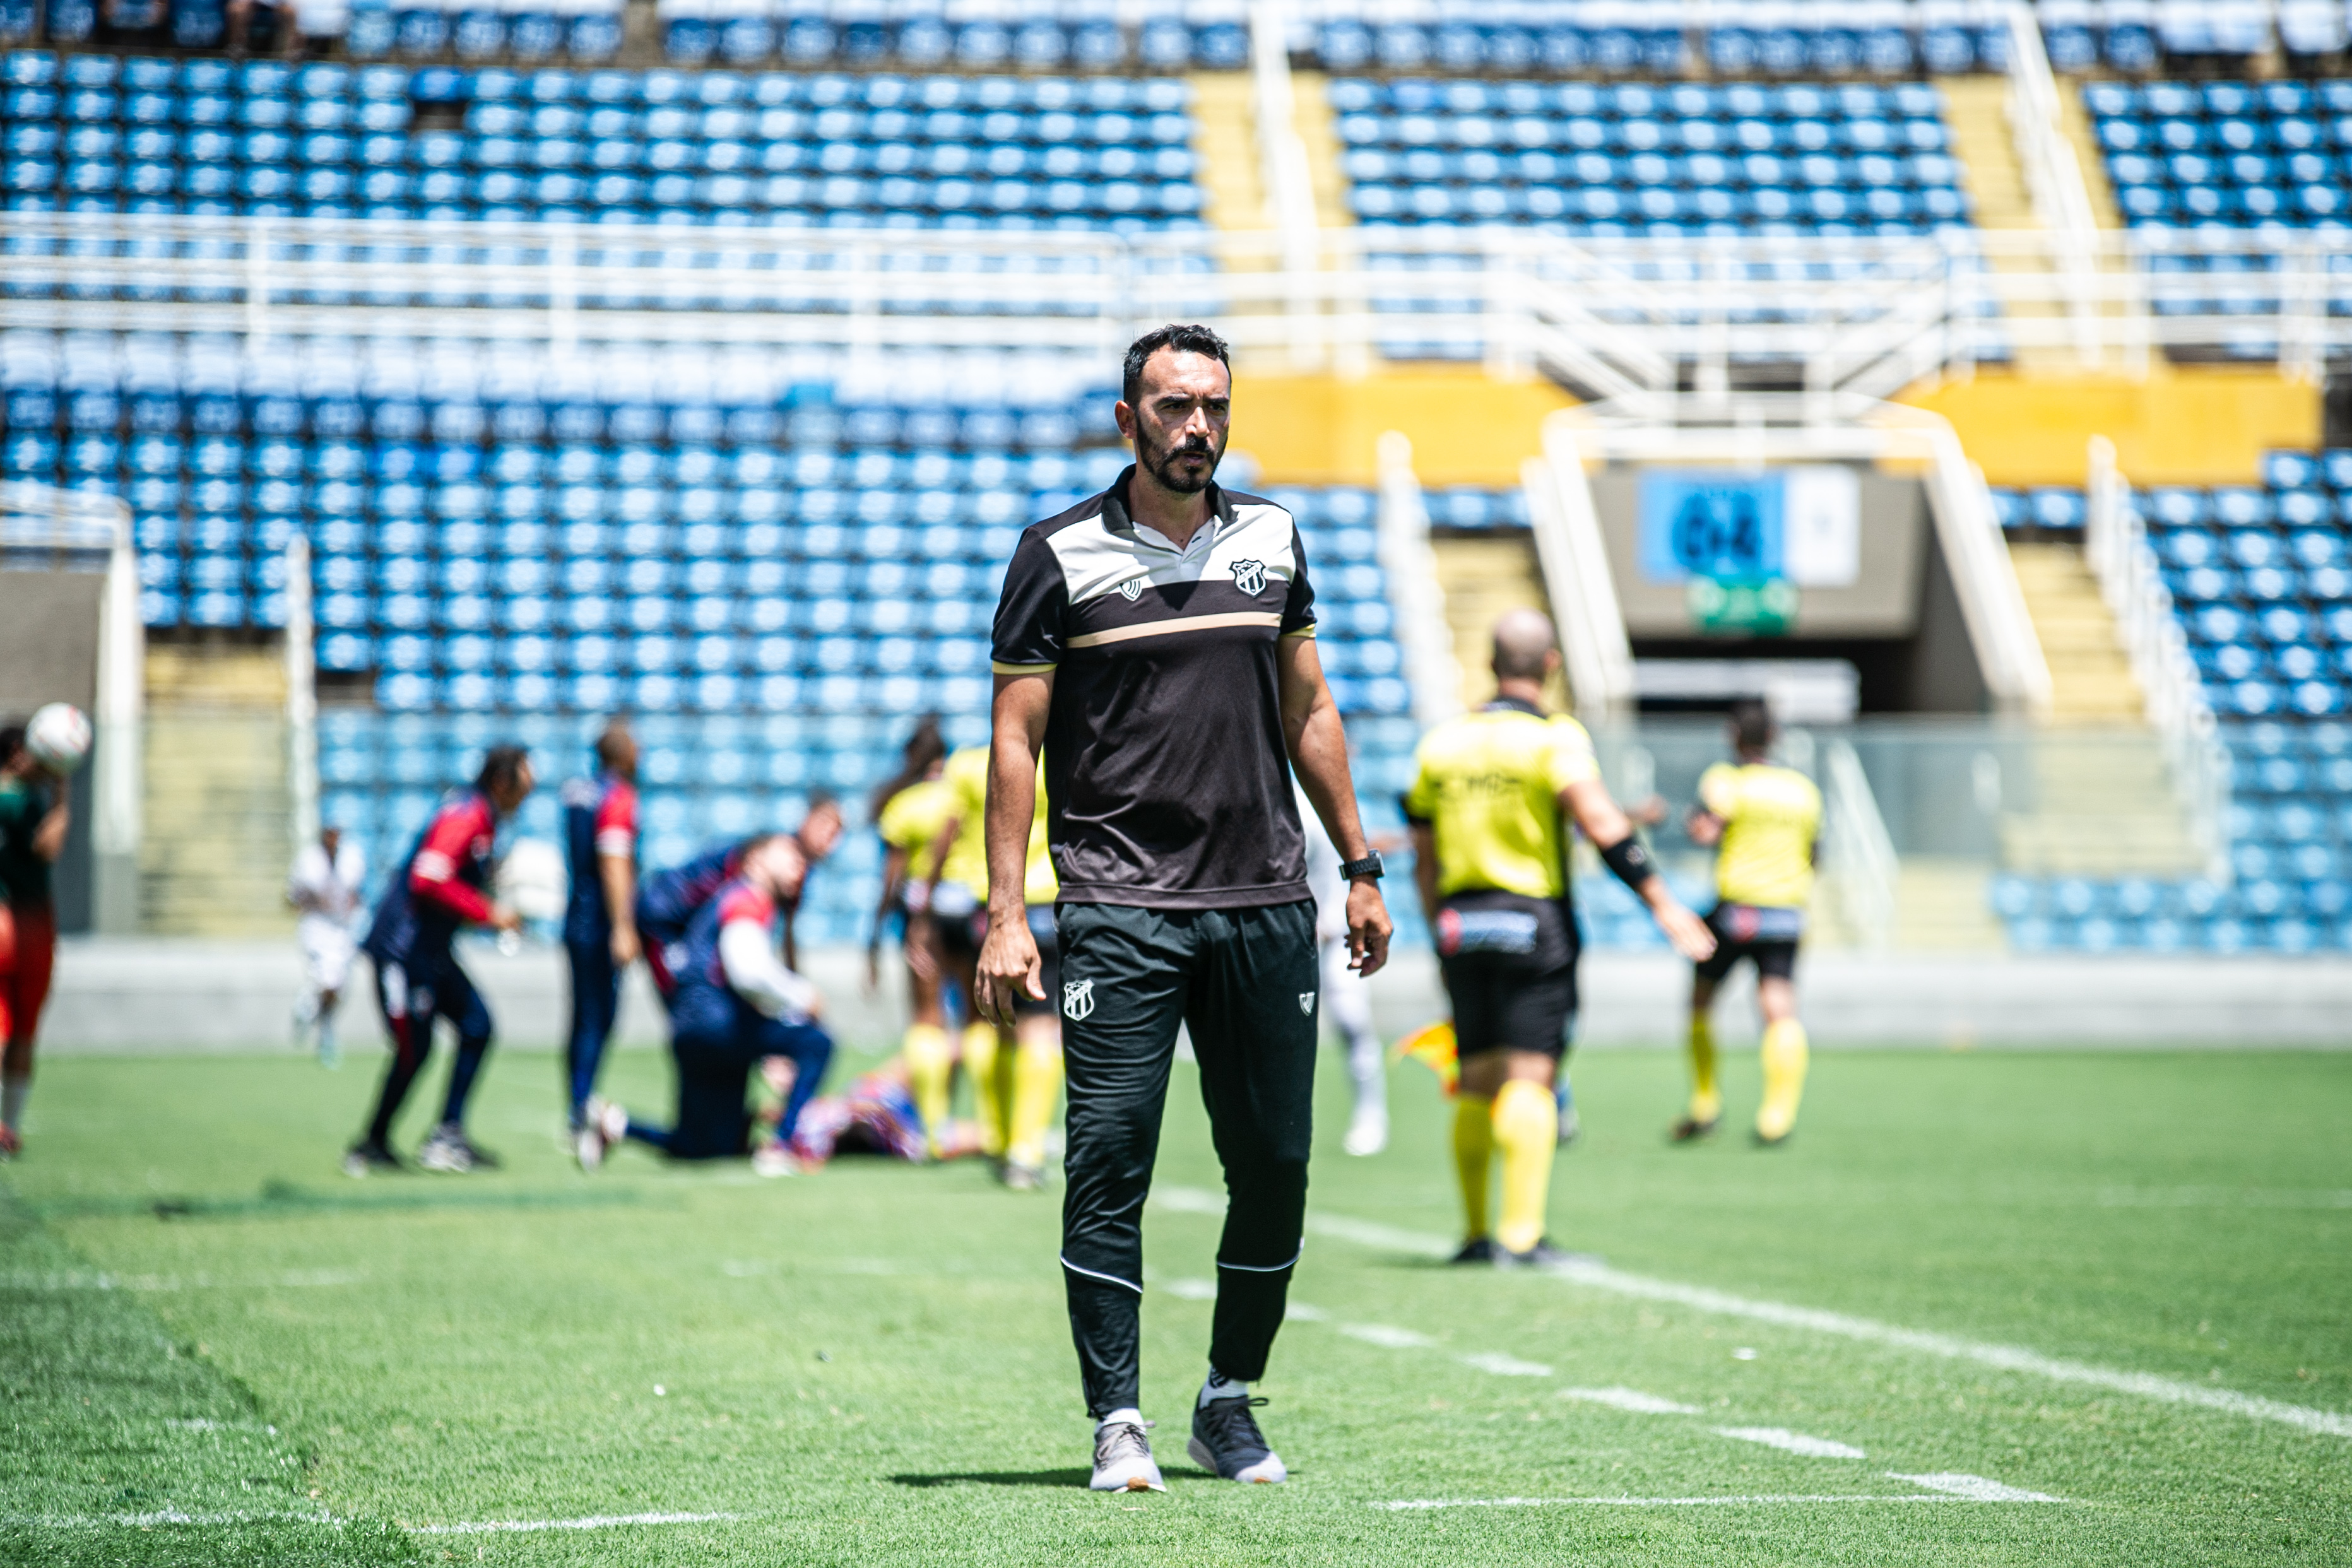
(1843, 1325)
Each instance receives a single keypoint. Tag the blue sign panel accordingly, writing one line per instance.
(1710, 523)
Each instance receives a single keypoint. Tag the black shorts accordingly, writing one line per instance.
(962, 937)
(1510, 964)
(1768, 937)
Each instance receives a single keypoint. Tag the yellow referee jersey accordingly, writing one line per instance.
(966, 779)
(911, 821)
(1488, 784)
(1770, 819)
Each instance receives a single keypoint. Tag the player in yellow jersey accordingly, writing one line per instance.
(1765, 823)
(1015, 1074)
(907, 812)
(1492, 796)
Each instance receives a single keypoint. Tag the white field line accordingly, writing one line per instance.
(93, 1279)
(1949, 1494)
(1388, 1338)
(1789, 1442)
(596, 1521)
(1841, 1325)
(1631, 1399)
(1503, 1365)
(1975, 1488)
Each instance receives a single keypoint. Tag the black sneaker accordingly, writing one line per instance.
(368, 1158)
(1477, 1250)
(449, 1150)
(1690, 1130)
(1225, 1440)
(1542, 1255)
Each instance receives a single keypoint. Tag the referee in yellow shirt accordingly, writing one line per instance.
(1015, 1073)
(908, 812)
(1489, 810)
(1765, 823)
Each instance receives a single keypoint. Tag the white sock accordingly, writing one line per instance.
(15, 1090)
(1219, 1386)
(1132, 1417)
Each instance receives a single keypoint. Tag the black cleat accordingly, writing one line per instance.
(1477, 1250)
(368, 1158)
(1542, 1255)
(1226, 1441)
(1690, 1130)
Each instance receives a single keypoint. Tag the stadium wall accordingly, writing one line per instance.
(1467, 427)
(2203, 425)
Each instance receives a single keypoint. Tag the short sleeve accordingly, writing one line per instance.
(1298, 606)
(1032, 611)
(616, 823)
(1572, 760)
(1718, 791)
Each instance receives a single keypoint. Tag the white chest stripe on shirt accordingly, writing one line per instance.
(1186, 623)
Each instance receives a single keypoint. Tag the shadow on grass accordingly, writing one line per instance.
(1069, 1477)
(285, 1197)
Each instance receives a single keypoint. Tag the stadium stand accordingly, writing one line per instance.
(262, 139)
(2260, 578)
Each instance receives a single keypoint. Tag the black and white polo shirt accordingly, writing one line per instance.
(1168, 784)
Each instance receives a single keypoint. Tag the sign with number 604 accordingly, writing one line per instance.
(1802, 525)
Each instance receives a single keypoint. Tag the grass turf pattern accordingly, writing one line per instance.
(871, 1364)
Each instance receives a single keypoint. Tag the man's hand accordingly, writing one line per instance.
(626, 948)
(1687, 931)
(1009, 967)
(1368, 927)
(922, 956)
(505, 917)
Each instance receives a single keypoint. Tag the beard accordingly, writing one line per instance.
(1161, 462)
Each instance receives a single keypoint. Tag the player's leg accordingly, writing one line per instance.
(1705, 1097)
(407, 1012)
(24, 990)
(1124, 976)
(1349, 1006)
(931, 1057)
(809, 1050)
(714, 1112)
(1252, 1018)
(1524, 1034)
(450, 1148)
(1037, 1077)
(331, 971)
(595, 992)
(960, 939)
(1785, 1051)
(1477, 1034)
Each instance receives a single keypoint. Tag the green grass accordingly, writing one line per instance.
(199, 1318)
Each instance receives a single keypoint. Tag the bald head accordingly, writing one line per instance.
(1524, 643)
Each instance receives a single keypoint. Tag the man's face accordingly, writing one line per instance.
(624, 757)
(1179, 420)
(510, 794)
(820, 832)
(332, 840)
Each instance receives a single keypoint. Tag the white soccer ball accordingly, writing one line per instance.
(59, 737)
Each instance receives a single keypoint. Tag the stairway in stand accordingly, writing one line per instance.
(216, 846)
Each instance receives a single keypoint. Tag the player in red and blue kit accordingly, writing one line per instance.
(600, 923)
(669, 900)
(442, 888)
(738, 1003)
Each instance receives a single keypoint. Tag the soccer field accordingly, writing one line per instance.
(2080, 1309)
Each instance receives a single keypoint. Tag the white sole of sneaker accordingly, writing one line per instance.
(1200, 1454)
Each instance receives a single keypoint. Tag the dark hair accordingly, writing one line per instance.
(1193, 339)
(610, 745)
(818, 799)
(11, 741)
(1751, 725)
(501, 764)
(924, 747)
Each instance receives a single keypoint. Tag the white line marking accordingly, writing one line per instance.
(1631, 1399)
(600, 1522)
(1789, 1442)
(1976, 1489)
(1300, 1312)
(1700, 1298)
(1190, 1290)
(1749, 1501)
(1503, 1365)
(1187, 1200)
(1388, 1338)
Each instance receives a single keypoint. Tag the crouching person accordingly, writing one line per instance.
(739, 1004)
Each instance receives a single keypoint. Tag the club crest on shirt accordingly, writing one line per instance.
(1306, 1003)
(1077, 998)
(1249, 575)
(1131, 589)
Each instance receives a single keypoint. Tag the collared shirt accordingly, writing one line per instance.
(1488, 784)
(1770, 819)
(1165, 761)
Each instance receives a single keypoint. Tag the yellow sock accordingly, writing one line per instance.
(1526, 1129)
(930, 1065)
(1705, 1101)
(1036, 1082)
(1785, 1055)
(1474, 1149)
(980, 1054)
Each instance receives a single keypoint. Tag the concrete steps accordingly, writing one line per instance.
(215, 845)
(1482, 579)
(1225, 141)
(1940, 905)
(2090, 676)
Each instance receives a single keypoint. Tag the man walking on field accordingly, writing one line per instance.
(1157, 643)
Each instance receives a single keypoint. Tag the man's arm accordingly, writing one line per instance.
(894, 874)
(49, 838)
(1424, 868)
(620, 880)
(1009, 963)
(1588, 801)
(1318, 755)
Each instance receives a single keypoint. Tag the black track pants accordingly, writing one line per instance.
(1245, 982)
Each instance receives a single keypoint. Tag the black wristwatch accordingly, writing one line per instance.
(1356, 871)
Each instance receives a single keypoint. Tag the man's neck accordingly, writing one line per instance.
(1175, 518)
(1514, 689)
